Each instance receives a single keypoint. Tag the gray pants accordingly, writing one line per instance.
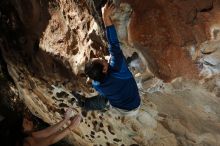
(101, 103)
(96, 103)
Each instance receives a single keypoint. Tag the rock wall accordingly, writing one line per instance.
(168, 33)
(46, 43)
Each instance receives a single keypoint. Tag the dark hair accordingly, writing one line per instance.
(94, 70)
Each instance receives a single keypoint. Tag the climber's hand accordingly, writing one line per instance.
(107, 11)
(68, 114)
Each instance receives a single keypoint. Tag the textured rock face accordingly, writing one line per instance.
(46, 43)
(163, 30)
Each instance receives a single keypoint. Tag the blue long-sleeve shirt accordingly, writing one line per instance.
(119, 85)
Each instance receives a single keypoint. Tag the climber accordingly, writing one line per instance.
(113, 81)
(49, 135)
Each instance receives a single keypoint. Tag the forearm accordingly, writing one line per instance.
(113, 41)
(57, 136)
(114, 48)
(50, 130)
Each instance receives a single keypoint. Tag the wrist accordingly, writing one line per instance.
(107, 21)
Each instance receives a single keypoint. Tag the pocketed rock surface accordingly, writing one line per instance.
(46, 44)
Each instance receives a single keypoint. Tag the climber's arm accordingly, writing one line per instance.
(61, 134)
(54, 128)
(114, 45)
(50, 130)
(55, 137)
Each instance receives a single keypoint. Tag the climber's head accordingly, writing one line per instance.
(96, 69)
